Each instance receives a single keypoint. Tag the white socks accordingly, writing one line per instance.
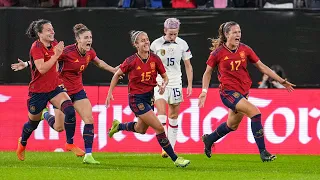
(163, 120)
(173, 131)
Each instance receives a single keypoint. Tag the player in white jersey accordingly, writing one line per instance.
(172, 49)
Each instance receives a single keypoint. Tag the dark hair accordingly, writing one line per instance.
(36, 27)
(79, 29)
(134, 35)
(224, 28)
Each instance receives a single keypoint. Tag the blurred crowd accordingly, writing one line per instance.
(165, 3)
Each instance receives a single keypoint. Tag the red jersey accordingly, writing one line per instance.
(71, 65)
(142, 75)
(232, 67)
(42, 83)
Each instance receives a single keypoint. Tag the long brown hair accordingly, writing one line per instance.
(224, 28)
(36, 27)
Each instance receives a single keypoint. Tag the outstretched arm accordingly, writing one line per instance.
(20, 65)
(103, 65)
(266, 70)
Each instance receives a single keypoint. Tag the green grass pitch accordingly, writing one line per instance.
(118, 166)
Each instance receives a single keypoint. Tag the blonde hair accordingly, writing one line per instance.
(134, 36)
(224, 28)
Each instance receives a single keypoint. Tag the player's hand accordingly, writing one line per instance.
(189, 91)
(288, 85)
(202, 99)
(162, 88)
(108, 99)
(18, 66)
(58, 49)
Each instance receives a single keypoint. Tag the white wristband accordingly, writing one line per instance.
(205, 90)
(26, 63)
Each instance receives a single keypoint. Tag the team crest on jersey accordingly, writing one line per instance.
(32, 108)
(141, 106)
(236, 94)
(153, 65)
(162, 52)
(242, 54)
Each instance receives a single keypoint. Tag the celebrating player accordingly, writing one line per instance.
(142, 69)
(44, 86)
(231, 57)
(171, 49)
(73, 61)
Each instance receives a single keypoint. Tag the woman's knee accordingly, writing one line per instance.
(88, 120)
(159, 129)
(59, 128)
(140, 130)
(233, 126)
(174, 115)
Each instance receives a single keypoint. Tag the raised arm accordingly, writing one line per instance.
(266, 70)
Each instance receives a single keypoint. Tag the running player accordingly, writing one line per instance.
(142, 69)
(231, 58)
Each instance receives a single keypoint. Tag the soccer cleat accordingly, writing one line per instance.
(164, 154)
(88, 159)
(44, 111)
(75, 149)
(207, 145)
(20, 150)
(114, 128)
(181, 162)
(266, 156)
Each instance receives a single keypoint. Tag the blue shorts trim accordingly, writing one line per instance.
(231, 98)
(77, 96)
(141, 103)
(38, 101)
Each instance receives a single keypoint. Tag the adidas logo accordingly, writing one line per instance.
(226, 58)
(76, 60)
(138, 68)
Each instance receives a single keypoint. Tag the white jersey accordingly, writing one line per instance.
(171, 54)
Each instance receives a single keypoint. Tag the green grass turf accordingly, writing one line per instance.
(114, 166)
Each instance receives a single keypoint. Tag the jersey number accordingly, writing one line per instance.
(81, 68)
(170, 61)
(176, 92)
(145, 76)
(235, 65)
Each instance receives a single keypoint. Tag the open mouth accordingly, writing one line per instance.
(88, 45)
(237, 39)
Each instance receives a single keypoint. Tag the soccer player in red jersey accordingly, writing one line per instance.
(231, 58)
(72, 62)
(142, 69)
(44, 86)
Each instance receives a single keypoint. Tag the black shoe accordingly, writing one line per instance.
(207, 145)
(266, 156)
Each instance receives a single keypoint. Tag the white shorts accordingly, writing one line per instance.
(171, 95)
